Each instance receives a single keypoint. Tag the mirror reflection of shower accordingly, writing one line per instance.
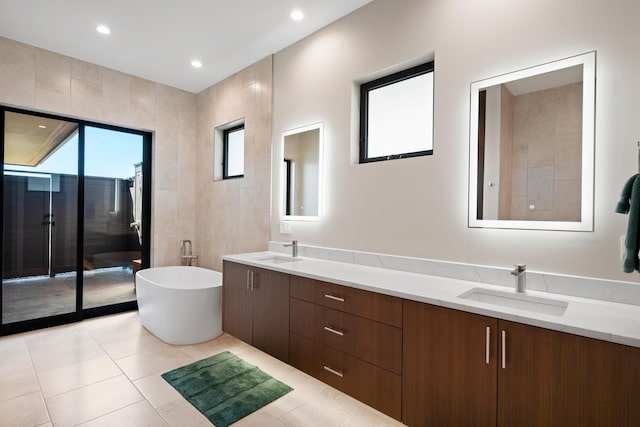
(302, 172)
(531, 147)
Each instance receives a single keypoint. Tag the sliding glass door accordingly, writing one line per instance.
(75, 200)
(40, 199)
(112, 224)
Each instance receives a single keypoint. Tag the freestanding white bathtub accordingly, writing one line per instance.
(180, 305)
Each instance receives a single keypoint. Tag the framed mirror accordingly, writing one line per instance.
(302, 173)
(531, 147)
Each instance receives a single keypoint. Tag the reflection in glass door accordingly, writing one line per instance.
(40, 181)
(112, 250)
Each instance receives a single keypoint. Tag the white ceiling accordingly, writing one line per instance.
(157, 39)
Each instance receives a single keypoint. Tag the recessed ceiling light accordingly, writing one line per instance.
(297, 15)
(42, 126)
(103, 29)
(196, 63)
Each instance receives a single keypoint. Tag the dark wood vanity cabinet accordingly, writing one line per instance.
(538, 377)
(350, 339)
(428, 365)
(256, 307)
(557, 379)
(447, 378)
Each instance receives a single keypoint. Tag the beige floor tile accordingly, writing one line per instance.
(14, 355)
(130, 327)
(224, 342)
(103, 321)
(11, 343)
(50, 338)
(181, 413)
(156, 390)
(86, 403)
(259, 418)
(66, 353)
(82, 381)
(139, 414)
(287, 403)
(149, 362)
(336, 409)
(123, 347)
(18, 383)
(27, 410)
(60, 380)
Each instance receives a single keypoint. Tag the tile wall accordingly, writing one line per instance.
(232, 216)
(185, 198)
(547, 144)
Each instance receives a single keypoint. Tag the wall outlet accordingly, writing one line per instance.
(622, 248)
(285, 227)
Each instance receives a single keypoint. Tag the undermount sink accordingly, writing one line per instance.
(275, 259)
(517, 301)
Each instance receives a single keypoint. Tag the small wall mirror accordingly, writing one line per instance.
(302, 173)
(532, 147)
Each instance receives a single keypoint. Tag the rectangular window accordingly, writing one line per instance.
(234, 152)
(396, 115)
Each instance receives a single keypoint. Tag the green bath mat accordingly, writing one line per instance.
(225, 388)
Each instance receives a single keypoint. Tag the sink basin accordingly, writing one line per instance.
(275, 259)
(517, 301)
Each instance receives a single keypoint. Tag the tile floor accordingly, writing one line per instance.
(106, 372)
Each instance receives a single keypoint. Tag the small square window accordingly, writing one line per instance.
(234, 152)
(396, 115)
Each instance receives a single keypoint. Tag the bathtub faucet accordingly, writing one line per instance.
(187, 257)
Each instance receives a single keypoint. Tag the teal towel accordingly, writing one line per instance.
(623, 204)
(630, 203)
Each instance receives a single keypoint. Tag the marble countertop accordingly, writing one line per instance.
(614, 322)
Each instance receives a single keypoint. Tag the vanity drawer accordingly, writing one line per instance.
(365, 339)
(370, 384)
(374, 306)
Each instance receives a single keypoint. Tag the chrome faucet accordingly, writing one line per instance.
(294, 247)
(187, 257)
(520, 271)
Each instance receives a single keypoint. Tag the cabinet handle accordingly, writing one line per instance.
(248, 275)
(504, 349)
(333, 297)
(253, 286)
(333, 371)
(487, 345)
(333, 331)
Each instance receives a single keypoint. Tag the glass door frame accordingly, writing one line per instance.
(80, 312)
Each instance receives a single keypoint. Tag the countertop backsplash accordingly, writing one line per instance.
(585, 287)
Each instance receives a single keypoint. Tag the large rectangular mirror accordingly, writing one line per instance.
(531, 149)
(302, 173)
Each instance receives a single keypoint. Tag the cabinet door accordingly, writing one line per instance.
(237, 302)
(557, 379)
(271, 312)
(446, 378)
